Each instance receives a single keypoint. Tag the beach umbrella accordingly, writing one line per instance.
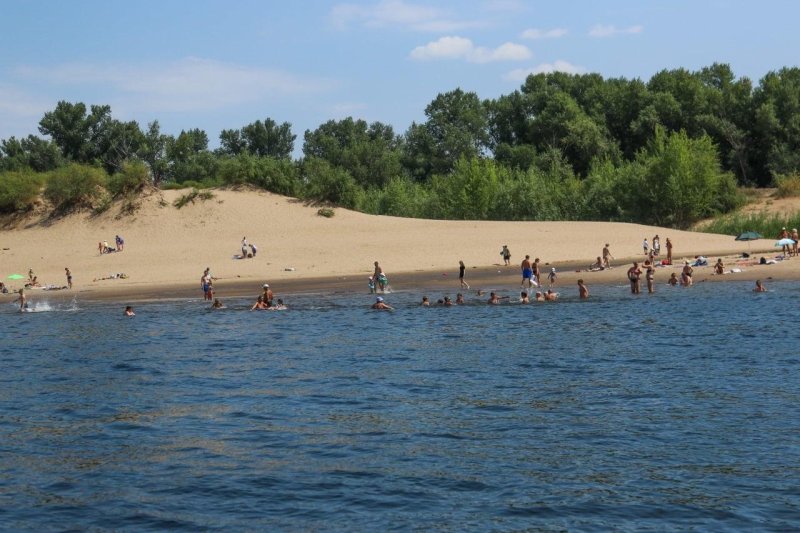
(16, 276)
(784, 242)
(749, 236)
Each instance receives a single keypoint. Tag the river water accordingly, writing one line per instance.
(677, 410)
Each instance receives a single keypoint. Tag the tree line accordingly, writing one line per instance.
(563, 146)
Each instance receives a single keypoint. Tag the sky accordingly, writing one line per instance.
(218, 65)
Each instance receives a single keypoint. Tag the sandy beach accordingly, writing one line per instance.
(167, 249)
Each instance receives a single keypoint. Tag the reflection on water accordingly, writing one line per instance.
(676, 410)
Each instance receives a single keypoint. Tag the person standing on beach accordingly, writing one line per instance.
(537, 274)
(253, 249)
(244, 247)
(634, 273)
(583, 290)
(607, 257)
(461, 270)
(527, 272)
(784, 235)
(669, 251)
(205, 284)
(119, 243)
(506, 253)
(551, 277)
(645, 246)
(69, 277)
(795, 237)
(656, 245)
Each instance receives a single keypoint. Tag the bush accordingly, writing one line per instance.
(188, 184)
(788, 186)
(191, 196)
(767, 224)
(76, 186)
(325, 183)
(326, 212)
(19, 191)
(133, 177)
(275, 175)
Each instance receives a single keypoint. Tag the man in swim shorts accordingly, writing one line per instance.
(527, 272)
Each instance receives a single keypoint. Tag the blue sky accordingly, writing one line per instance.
(214, 65)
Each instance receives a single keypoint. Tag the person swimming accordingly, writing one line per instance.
(129, 311)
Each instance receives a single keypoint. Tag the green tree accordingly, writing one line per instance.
(369, 153)
(456, 128)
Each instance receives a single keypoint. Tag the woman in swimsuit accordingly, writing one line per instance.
(650, 276)
(461, 270)
(633, 276)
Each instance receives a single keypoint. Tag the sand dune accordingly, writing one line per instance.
(166, 246)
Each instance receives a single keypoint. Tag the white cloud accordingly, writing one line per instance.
(188, 84)
(462, 48)
(601, 30)
(398, 14)
(520, 74)
(536, 33)
(16, 102)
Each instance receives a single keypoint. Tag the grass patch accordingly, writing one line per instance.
(191, 196)
(768, 225)
(326, 212)
(788, 186)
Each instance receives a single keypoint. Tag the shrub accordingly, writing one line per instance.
(326, 212)
(191, 196)
(325, 183)
(75, 186)
(788, 186)
(275, 175)
(133, 177)
(19, 191)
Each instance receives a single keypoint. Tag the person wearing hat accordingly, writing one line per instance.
(784, 235)
(268, 296)
(551, 277)
(380, 304)
(686, 274)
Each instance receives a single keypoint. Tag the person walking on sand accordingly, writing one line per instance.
(461, 270)
(634, 273)
(607, 257)
(527, 272)
(506, 253)
(669, 251)
(583, 290)
(69, 277)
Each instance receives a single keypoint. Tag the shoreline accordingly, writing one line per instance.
(484, 278)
